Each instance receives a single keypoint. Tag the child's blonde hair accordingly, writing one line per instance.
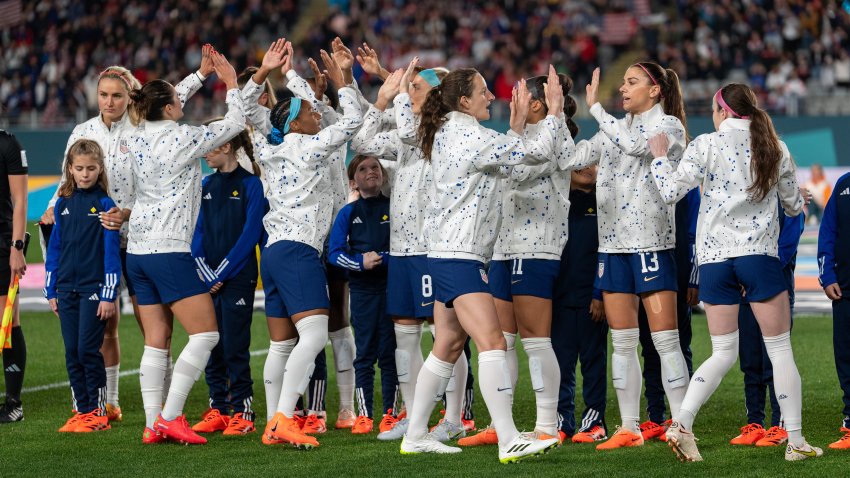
(82, 147)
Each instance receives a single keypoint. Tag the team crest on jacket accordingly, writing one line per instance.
(483, 276)
(601, 269)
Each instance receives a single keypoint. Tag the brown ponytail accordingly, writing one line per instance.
(440, 101)
(241, 141)
(246, 75)
(765, 149)
(672, 100)
(151, 99)
(535, 87)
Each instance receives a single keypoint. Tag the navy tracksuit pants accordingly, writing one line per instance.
(374, 337)
(654, 391)
(82, 332)
(758, 371)
(841, 345)
(228, 371)
(575, 336)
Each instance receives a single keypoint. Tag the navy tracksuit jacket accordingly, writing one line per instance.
(834, 268)
(574, 335)
(82, 268)
(229, 227)
(360, 227)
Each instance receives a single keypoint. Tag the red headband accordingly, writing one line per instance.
(654, 81)
(719, 97)
(119, 74)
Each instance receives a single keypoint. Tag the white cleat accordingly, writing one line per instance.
(806, 451)
(683, 443)
(446, 430)
(426, 444)
(525, 445)
(396, 432)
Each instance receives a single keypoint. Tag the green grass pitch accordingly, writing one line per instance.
(34, 448)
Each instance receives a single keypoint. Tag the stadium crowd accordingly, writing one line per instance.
(54, 51)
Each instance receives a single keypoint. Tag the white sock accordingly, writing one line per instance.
(626, 376)
(342, 342)
(430, 387)
(510, 356)
(408, 359)
(433, 329)
(190, 364)
(112, 384)
(166, 380)
(724, 353)
(674, 370)
(545, 381)
(495, 383)
(456, 390)
(312, 337)
(273, 372)
(151, 375)
(786, 381)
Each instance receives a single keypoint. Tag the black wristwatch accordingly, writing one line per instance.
(19, 244)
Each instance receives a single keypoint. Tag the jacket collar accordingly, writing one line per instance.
(730, 124)
(461, 117)
(650, 116)
(115, 124)
(156, 126)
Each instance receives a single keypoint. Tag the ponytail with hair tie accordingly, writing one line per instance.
(275, 137)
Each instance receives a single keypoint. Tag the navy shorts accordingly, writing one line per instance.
(720, 282)
(534, 277)
(410, 292)
(456, 277)
(131, 291)
(164, 278)
(500, 279)
(637, 272)
(293, 279)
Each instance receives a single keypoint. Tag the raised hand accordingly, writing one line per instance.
(658, 145)
(275, 56)
(287, 59)
(389, 89)
(404, 85)
(520, 102)
(332, 70)
(320, 83)
(224, 70)
(368, 59)
(593, 89)
(554, 93)
(344, 58)
(206, 67)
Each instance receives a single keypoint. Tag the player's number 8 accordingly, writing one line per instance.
(427, 290)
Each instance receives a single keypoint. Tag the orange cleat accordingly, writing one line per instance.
(562, 436)
(402, 415)
(387, 422)
(150, 437)
(750, 434)
(595, 434)
(286, 429)
(113, 413)
(775, 436)
(468, 425)
(211, 421)
(622, 438)
(239, 425)
(649, 430)
(362, 425)
(843, 443)
(71, 424)
(93, 421)
(178, 430)
(345, 419)
(545, 436)
(486, 436)
(271, 425)
(314, 425)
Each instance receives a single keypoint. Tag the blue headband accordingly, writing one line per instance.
(294, 108)
(430, 77)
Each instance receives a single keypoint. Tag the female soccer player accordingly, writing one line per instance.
(745, 171)
(296, 160)
(637, 235)
(82, 269)
(165, 163)
(464, 157)
(111, 129)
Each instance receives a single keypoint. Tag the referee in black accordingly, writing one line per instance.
(13, 225)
